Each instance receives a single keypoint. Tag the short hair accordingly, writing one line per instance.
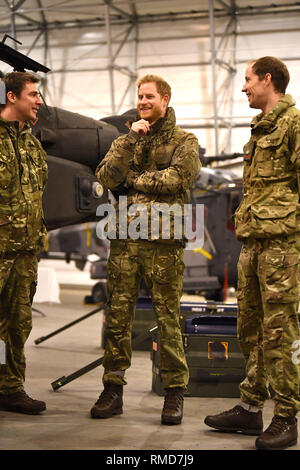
(163, 88)
(16, 81)
(279, 73)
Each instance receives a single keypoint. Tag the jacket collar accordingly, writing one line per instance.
(268, 120)
(164, 124)
(13, 126)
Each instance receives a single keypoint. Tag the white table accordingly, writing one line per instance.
(47, 286)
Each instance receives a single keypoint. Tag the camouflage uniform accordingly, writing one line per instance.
(23, 175)
(267, 221)
(158, 167)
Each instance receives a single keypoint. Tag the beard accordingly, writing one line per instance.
(152, 115)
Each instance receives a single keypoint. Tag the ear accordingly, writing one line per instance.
(268, 78)
(11, 97)
(166, 100)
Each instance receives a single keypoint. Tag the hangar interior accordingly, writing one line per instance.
(96, 50)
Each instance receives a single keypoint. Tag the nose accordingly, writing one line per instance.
(39, 100)
(244, 89)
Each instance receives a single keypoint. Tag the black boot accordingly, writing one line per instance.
(173, 406)
(281, 433)
(20, 402)
(110, 402)
(237, 419)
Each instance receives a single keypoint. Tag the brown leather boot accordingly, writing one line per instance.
(20, 402)
(237, 419)
(109, 403)
(281, 433)
(173, 406)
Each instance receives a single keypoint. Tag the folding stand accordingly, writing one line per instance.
(38, 311)
(65, 380)
(44, 338)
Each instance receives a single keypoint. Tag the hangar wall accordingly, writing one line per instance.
(181, 51)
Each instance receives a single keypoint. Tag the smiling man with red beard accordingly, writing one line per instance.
(151, 104)
(156, 162)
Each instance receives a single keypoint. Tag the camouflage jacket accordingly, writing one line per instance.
(23, 176)
(158, 168)
(271, 179)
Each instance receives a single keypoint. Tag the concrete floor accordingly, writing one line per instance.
(66, 424)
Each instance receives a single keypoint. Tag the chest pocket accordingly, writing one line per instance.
(248, 150)
(6, 171)
(35, 173)
(272, 154)
(162, 157)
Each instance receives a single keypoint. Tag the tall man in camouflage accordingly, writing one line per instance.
(23, 175)
(267, 222)
(155, 162)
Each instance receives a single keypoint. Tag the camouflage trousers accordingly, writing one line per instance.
(162, 268)
(268, 328)
(18, 276)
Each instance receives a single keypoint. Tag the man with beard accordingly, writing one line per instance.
(156, 162)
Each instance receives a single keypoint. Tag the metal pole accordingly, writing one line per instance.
(110, 59)
(213, 68)
(64, 380)
(233, 74)
(74, 322)
(123, 42)
(12, 23)
(132, 89)
(46, 46)
(124, 96)
(134, 56)
(34, 42)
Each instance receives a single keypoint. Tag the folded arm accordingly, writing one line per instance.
(113, 169)
(179, 176)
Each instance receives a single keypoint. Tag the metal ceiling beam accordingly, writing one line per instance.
(39, 34)
(228, 34)
(142, 19)
(224, 5)
(273, 7)
(213, 69)
(228, 145)
(118, 10)
(30, 20)
(112, 57)
(18, 5)
(143, 39)
(123, 42)
(13, 31)
(115, 15)
(165, 65)
(292, 7)
(44, 80)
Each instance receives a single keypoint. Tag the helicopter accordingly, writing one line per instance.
(75, 144)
